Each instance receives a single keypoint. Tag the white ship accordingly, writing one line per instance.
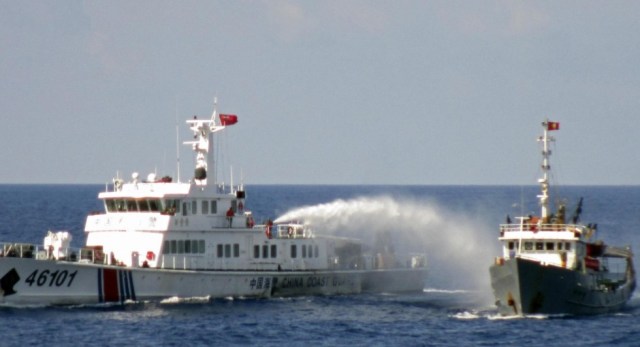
(159, 239)
(549, 266)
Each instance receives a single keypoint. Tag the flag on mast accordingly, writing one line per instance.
(228, 119)
(551, 126)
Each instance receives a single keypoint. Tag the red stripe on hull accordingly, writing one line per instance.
(110, 285)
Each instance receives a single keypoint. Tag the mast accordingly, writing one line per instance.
(544, 180)
(203, 145)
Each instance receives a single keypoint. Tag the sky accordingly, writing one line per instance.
(326, 92)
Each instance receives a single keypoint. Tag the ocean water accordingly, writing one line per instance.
(456, 226)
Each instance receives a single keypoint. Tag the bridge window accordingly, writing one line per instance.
(273, 251)
(180, 246)
(236, 250)
(550, 246)
(220, 251)
(227, 251)
(559, 246)
(132, 206)
(567, 246)
(194, 207)
(316, 251)
(304, 251)
(187, 246)
(201, 247)
(539, 246)
(265, 251)
(256, 251)
(528, 246)
(143, 206)
(111, 205)
(154, 205)
(294, 251)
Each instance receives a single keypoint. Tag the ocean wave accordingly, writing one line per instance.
(187, 300)
(445, 291)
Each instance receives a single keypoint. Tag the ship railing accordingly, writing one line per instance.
(520, 227)
(293, 231)
(210, 262)
(38, 252)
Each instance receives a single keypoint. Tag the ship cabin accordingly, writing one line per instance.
(553, 244)
(163, 224)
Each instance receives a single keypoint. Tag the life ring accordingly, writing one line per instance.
(151, 255)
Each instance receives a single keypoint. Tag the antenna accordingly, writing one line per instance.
(177, 145)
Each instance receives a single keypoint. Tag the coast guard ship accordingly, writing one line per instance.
(159, 239)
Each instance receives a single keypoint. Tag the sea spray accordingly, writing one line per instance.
(459, 247)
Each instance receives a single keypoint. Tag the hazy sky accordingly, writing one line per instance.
(327, 92)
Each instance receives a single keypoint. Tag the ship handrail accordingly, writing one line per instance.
(519, 227)
(38, 252)
(618, 252)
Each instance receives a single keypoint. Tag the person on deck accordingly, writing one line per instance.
(230, 216)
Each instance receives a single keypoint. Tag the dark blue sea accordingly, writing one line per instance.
(456, 226)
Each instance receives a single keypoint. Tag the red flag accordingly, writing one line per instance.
(228, 119)
(551, 126)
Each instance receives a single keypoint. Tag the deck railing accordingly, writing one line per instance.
(28, 250)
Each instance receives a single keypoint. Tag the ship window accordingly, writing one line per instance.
(227, 251)
(194, 246)
(294, 251)
(143, 205)
(174, 247)
(528, 246)
(236, 250)
(316, 251)
(185, 206)
(256, 251)
(201, 246)
(567, 246)
(194, 207)
(214, 207)
(539, 246)
(180, 246)
(265, 251)
(132, 206)
(511, 245)
(550, 246)
(187, 246)
(273, 251)
(205, 206)
(304, 251)
(220, 253)
(154, 205)
(120, 205)
(111, 205)
(167, 247)
(559, 246)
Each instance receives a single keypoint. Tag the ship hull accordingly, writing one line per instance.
(523, 287)
(27, 281)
